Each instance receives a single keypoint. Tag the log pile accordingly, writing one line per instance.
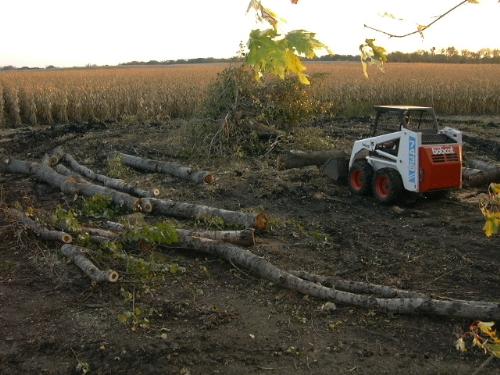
(224, 244)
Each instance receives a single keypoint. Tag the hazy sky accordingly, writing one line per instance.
(79, 32)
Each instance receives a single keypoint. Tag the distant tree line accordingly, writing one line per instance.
(434, 55)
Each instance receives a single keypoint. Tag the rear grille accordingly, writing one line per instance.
(438, 159)
(444, 158)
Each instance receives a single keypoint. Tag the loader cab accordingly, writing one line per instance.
(392, 118)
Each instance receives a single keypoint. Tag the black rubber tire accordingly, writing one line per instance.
(362, 173)
(387, 185)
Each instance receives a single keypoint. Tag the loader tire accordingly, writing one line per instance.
(387, 185)
(360, 177)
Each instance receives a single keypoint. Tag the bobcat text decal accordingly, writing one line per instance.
(442, 150)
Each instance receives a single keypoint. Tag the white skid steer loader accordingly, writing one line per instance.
(417, 157)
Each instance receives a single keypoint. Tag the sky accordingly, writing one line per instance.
(109, 32)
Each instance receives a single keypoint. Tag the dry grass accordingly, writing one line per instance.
(157, 94)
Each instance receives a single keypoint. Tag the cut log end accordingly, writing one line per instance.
(261, 221)
(66, 238)
(144, 205)
(209, 179)
(112, 276)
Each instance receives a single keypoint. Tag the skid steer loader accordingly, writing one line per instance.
(410, 154)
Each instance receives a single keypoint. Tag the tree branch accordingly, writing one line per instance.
(421, 28)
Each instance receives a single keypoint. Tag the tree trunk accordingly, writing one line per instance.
(113, 183)
(40, 230)
(196, 211)
(298, 159)
(481, 165)
(77, 255)
(481, 178)
(73, 185)
(262, 268)
(173, 169)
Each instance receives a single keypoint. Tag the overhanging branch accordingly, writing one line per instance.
(421, 28)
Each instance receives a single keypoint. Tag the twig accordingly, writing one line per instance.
(421, 28)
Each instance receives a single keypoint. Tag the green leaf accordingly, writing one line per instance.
(304, 43)
(271, 53)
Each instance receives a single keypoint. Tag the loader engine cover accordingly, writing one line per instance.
(440, 167)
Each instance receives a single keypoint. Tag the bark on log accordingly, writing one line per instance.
(480, 179)
(65, 171)
(39, 229)
(357, 286)
(170, 168)
(481, 165)
(113, 183)
(195, 211)
(244, 237)
(264, 269)
(73, 185)
(77, 255)
(298, 159)
(367, 288)
(55, 156)
(99, 232)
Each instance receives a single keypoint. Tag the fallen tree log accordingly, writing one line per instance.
(299, 159)
(357, 286)
(195, 211)
(72, 185)
(174, 169)
(481, 165)
(53, 157)
(244, 237)
(361, 287)
(113, 183)
(481, 178)
(264, 269)
(39, 229)
(77, 255)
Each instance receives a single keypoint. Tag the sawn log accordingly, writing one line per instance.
(77, 255)
(174, 169)
(46, 234)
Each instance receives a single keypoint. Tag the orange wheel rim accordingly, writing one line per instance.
(382, 186)
(356, 178)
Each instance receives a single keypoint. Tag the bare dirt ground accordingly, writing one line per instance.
(213, 318)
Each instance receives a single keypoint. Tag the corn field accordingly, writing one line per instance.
(161, 93)
(454, 89)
